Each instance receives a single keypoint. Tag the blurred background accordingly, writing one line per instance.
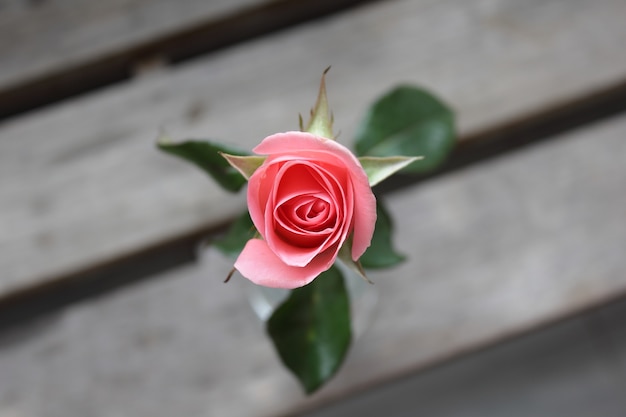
(510, 302)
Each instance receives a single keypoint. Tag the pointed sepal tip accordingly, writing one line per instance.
(321, 123)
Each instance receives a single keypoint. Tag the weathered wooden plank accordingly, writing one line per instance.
(39, 37)
(494, 250)
(56, 49)
(81, 184)
(562, 370)
(43, 37)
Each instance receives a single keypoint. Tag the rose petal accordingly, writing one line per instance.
(309, 214)
(288, 180)
(364, 216)
(365, 202)
(294, 179)
(258, 194)
(260, 265)
(289, 142)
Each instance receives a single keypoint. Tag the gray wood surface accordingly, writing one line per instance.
(567, 370)
(80, 183)
(43, 37)
(494, 250)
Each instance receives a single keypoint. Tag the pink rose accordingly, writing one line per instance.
(306, 200)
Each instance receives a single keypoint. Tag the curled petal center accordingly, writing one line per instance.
(308, 213)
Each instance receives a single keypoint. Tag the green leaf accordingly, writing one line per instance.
(206, 155)
(408, 121)
(311, 329)
(379, 168)
(233, 242)
(381, 253)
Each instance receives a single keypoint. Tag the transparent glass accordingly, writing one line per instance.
(363, 299)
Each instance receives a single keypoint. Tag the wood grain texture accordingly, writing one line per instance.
(56, 49)
(494, 250)
(47, 36)
(82, 184)
(562, 370)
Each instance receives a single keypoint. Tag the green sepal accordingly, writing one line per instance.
(380, 168)
(345, 256)
(311, 329)
(206, 156)
(408, 121)
(381, 253)
(246, 165)
(233, 242)
(321, 122)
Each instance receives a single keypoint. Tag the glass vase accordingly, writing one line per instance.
(363, 298)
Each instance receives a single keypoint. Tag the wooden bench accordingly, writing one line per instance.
(500, 243)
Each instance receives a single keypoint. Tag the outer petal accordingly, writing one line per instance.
(364, 216)
(260, 265)
(290, 142)
(260, 186)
